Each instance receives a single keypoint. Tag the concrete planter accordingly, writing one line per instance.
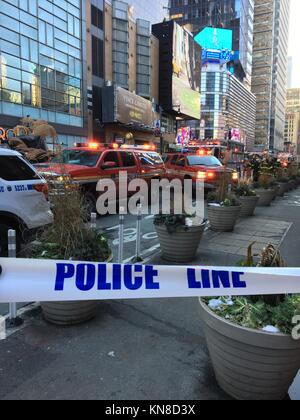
(182, 245)
(248, 205)
(293, 184)
(265, 197)
(276, 190)
(282, 189)
(223, 219)
(70, 313)
(250, 364)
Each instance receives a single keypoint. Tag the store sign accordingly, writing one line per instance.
(27, 280)
(6, 134)
(133, 109)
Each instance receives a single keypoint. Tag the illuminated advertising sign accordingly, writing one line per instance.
(186, 74)
(215, 39)
(217, 56)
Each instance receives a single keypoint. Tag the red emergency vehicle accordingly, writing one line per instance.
(197, 166)
(87, 164)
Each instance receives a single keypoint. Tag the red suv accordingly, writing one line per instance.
(88, 164)
(197, 166)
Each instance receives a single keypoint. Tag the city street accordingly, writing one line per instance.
(107, 104)
(151, 349)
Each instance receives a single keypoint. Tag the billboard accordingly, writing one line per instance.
(124, 107)
(186, 77)
(133, 109)
(215, 39)
(217, 56)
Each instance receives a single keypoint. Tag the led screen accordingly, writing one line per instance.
(186, 74)
(215, 39)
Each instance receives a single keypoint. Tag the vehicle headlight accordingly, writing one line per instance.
(201, 175)
(235, 176)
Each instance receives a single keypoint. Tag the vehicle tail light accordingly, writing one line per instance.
(201, 175)
(42, 188)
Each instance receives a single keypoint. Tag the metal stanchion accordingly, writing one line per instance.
(13, 320)
(138, 235)
(93, 221)
(121, 236)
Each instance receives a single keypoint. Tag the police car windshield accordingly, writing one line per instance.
(203, 161)
(78, 157)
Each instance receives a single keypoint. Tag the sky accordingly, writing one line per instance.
(294, 46)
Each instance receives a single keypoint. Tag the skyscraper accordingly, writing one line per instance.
(153, 11)
(270, 67)
(290, 72)
(292, 123)
(42, 71)
(228, 14)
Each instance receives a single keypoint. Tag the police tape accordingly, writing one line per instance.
(23, 280)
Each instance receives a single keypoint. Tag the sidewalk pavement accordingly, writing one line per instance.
(147, 349)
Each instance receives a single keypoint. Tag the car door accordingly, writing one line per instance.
(171, 167)
(180, 167)
(23, 192)
(129, 165)
(111, 172)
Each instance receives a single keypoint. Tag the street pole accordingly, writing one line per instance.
(161, 143)
(93, 221)
(121, 236)
(138, 235)
(13, 320)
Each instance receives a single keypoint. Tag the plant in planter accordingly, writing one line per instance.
(69, 239)
(223, 208)
(264, 190)
(249, 339)
(179, 236)
(247, 196)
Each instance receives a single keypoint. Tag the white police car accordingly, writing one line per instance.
(24, 202)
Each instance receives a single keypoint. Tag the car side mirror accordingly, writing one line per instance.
(109, 165)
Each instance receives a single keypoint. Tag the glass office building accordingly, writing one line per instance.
(227, 105)
(237, 15)
(41, 64)
(270, 71)
(153, 11)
